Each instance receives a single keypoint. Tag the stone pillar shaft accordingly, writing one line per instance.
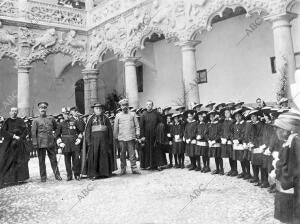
(189, 72)
(284, 53)
(23, 91)
(131, 85)
(90, 88)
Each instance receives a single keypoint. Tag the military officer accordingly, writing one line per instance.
(43, 140)
(69, 137)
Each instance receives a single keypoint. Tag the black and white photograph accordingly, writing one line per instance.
(150, 111)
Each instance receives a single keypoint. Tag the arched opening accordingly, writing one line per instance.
(8, 86)
(79, 95)
(233, 59)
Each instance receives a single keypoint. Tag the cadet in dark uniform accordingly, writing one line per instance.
(43, 140)
(69, 137)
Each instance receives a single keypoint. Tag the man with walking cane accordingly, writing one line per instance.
(43, 140)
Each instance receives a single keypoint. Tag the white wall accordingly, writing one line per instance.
(162, 74)
(242, 69)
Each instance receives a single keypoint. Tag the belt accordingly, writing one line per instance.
(177, 140)
(216, 145)
(99, 128)
(258, 150)
(202, 143)
(68, 136)
(238, 147)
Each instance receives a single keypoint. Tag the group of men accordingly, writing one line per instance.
(264, 137)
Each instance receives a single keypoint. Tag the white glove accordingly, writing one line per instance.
(223, 140)
(194, 141)
(188, 141)
(77, 142)
(272, 177)
(58, 141)
(61, 145)
(263, 146)
(267, 152)
(170, 143)
(236, 142)
(1, 140)
(275, 155)
(183, 139)
(198, 137)
(169, 135)
(209, 143)
(250, 144)
(213, 142)
(244, 145)
(59, 151)
(16, 137)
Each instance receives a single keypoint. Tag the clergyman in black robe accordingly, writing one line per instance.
(14, 153)
(149, 121)
(99, 140)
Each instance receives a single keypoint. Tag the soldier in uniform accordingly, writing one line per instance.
(43, 140)
(69, 137)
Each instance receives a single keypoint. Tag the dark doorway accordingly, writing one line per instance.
(79, 95)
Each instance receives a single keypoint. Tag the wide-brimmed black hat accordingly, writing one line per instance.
(166, 109)
(185, 113)
(98, 105)
(197, 105)
(180, 108)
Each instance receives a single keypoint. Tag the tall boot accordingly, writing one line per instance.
(170, 160)
(221, 172)
(182, 160)
(264, 178)
(247, 168)
(255, 174)
(176, 160)
(244, 172)
(198, 163)
(217, 170)
(193, 167)
(234, 168)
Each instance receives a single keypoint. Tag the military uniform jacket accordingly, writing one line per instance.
(42, 132)
(69, 131)
(177, 130)
(202, 131)
(239, 131)
(215, 131)
(227, 131)
(190, 132)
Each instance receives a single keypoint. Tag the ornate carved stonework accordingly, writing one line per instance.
(43, 12)
(175, 19)
(282, 72)
(8, 45)
(121, 26)
(8, 8)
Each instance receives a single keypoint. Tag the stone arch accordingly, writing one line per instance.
(220, 13)
(42, 54)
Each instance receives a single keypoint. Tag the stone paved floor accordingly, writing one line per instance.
(153, 197)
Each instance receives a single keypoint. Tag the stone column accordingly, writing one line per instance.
(189, 72)
(131, 86)
(284, 53)
(23, 91)
(90, 88)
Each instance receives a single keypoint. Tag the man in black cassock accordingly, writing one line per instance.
(149, 121)
(99, 140)
(14, 155)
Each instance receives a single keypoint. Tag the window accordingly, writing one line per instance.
(202, 76)
(139, 76)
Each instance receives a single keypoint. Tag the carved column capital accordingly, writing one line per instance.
(188, 45)
(281, 20)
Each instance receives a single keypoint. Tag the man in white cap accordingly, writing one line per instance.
(287, 198)
(126, 131)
